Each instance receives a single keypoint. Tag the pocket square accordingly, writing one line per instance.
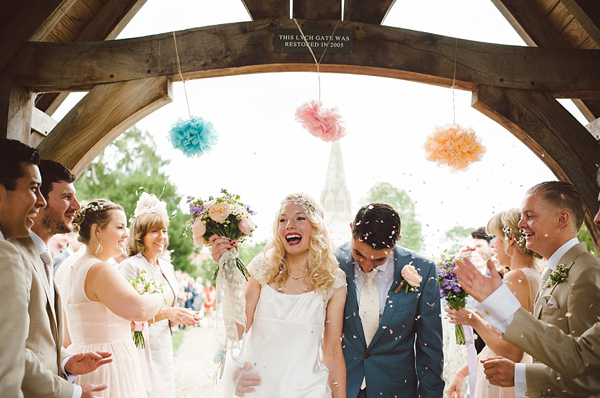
(549, 302)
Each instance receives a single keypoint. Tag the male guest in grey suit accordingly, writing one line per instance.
(552, 213)
(398, 351)
(20, 201)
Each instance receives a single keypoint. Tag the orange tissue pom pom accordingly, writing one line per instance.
(454, 146)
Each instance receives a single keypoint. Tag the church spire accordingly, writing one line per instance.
(335, 197)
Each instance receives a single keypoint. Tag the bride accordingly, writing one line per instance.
(295, 301)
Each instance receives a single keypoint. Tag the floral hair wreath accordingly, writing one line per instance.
(518, 235)
(89, 207)
(305, 203)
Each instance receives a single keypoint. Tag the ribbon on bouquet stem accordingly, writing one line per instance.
(144, 328)
(471, 358)
(231, 304)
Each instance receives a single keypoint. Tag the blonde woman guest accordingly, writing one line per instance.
(146, 246)
(295, 301)
(523, 280)
(101, 304)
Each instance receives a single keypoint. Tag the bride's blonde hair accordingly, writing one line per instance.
(321, 261)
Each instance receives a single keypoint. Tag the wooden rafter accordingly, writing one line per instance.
(100, 117)
(553, 134)
(248, 48)
(373, 11)
(267, 9)
(28, 16)
(587, 13)
(317, 9)
(533, 27)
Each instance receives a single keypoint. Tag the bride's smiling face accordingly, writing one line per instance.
(294, 229)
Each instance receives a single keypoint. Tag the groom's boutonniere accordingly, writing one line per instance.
(559, 275)
(411, 280)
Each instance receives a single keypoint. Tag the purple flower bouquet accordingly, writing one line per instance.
(452, 292)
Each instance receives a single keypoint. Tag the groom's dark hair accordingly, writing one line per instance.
(378, 225)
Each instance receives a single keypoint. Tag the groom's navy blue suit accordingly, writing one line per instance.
(405, 357)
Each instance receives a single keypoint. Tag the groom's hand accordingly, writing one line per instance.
(474, 283)
(244, 380)
(84, 363)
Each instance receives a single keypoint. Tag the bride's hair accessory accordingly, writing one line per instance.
(90, 207)
(519, 234)
(149, 203)
(306, 203)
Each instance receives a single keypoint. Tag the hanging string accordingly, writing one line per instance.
(313, 54)
(182, 79)
(454, 82)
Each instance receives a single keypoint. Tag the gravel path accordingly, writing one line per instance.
(193, 364)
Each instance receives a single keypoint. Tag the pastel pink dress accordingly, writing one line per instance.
(93, 327)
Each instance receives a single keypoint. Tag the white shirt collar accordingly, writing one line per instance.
(1, 236)
(380, 268)
(557, 255)
(40, 245)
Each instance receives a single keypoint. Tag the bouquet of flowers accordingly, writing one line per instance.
(452, 292)
(144, 285)
(228, 217)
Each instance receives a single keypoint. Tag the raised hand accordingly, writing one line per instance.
(88, 390)
(244, 380)
(499, 371)
(220, 245)
(83, 363)
(462, 317)
(477, 285)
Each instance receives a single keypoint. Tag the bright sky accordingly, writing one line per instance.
(264, 154)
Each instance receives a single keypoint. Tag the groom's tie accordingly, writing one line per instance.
(369, 306)
(49, 268)
(544, 278)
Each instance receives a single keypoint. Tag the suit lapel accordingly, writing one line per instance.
(353, 299)
(568, 258)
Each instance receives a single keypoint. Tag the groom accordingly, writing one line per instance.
(392, 338)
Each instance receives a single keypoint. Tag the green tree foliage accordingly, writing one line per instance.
(123, 171)
(458, 232)
(584, 236)
(405, 206)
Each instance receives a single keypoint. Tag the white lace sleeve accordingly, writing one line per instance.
(340, 279)
(257, 268)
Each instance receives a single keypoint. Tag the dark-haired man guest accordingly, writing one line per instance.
(50, 370)
(392, 336)
(20, 201)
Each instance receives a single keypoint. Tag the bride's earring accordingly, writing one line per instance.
(99, 248)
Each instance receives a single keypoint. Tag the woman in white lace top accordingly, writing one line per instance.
(295, 301)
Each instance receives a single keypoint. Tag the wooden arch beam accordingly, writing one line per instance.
(247, 47)
(553, 134)
(100, 117)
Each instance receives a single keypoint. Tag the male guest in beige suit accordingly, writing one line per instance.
(569, 298)
(49, 368)
(20, 201)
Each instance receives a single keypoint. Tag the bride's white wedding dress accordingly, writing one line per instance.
(285, 342)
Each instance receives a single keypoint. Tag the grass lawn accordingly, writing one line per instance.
(178, 336)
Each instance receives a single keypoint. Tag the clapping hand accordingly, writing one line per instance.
(499, 371)
(474, 283)
(88, 390)
(461, 317)
(87, 362)
(245, 380)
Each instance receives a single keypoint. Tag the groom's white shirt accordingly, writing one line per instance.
(383, 279)
(41, 247)
(500, 316)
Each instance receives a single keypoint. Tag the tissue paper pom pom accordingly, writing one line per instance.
(193, 136)
(323, 123)
(454, 147)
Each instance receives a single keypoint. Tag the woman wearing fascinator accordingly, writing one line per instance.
(147, 246)
(101, 304)
(523, 280)
(295, 301)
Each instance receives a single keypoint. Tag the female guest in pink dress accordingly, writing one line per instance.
(101, 303)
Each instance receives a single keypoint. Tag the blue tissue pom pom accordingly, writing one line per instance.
(193, 136)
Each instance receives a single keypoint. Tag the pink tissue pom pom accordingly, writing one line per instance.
(321, 122)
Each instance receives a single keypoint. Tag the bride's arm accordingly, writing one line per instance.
(252, 293)
(333, 357)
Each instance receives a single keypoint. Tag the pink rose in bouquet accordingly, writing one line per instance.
(246, 226)
(219, 212)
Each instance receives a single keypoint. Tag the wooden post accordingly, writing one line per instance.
(553, 134)
(16, 106)
(100, 117)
